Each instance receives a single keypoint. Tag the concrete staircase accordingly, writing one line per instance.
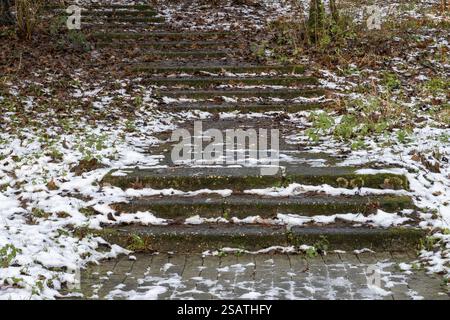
(201, 70)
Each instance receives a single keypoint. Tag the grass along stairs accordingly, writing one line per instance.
(198, 70)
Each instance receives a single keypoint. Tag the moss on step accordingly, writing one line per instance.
(376, 181)
(269, 93)
(245, 179)
(155, 69)
(245, 108)
(394, 239)
(161, 35)
(190, 182)
(244, 206)
(121, 19)
(186, 54)
(109, 7)
(170, 44)
(119, 13)
(213, 81)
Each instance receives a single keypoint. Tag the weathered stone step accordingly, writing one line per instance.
(103, 7)
(244, 178)
(139, 7)
(267, 276)
(169, 44)
(242, 108)
(202, 82)
(118, 13)
(136, 27)
(164, 35)
(289, 153)
(192, 54)
(242, 93)
(242, 206)
(118, 19)
(160, 69)
(199, 238)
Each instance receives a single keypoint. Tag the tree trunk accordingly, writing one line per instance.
(6, 17)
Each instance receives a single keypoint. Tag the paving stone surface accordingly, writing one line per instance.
(335, 276)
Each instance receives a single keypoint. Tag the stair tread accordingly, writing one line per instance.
(281, 93)
(161, 34)
(210, 67)
(258, 229)
(201, 81)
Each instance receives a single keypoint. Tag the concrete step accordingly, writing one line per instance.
(204, 82)
(119, 19)
(239, 179)
(104, 7)
(286, 129)
(164, 35)
(242, 93)
(243, 108)
(98, 12)
(289, 154)
(242, 206)
(186, 54)
(198, 69)
(199, 238)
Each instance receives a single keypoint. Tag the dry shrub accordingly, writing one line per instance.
(27, 16)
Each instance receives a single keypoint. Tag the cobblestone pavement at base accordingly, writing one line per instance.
(262, 276)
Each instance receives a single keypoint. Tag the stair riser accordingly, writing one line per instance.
(239, 184)
(222, 208)
(107, 8)
(218, 69)
(118, 13)
(395, 239)
(246, 108)
(162, 36)
(281, 94)
(184, 54)
(172, 45)
(129, 20)
(205, 83)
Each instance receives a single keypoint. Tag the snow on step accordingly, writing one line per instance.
(242, 178)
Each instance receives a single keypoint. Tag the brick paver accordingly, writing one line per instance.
(262, 276)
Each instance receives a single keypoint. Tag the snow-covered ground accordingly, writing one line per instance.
(43, 200)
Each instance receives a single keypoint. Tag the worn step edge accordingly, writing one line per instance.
(174, 207)
(216, 81)
(243, 108)
(113, 7)
(122, 19)
(168, 35)
(240, 179)
(199, 238)
(294, 69)
(243, 93)
(118, 13)
(187, 54)
(131, 27)
(169, 44)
